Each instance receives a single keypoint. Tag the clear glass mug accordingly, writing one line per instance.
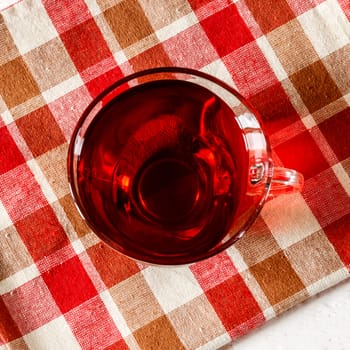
(171, 166)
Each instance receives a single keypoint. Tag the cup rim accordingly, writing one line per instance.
(147, 72)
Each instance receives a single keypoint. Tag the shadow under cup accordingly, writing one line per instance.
(170, 166)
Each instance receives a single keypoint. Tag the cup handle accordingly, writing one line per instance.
(285, 181)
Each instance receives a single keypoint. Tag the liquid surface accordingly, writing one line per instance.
(159, 171)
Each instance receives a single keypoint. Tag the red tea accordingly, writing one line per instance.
(157, 173)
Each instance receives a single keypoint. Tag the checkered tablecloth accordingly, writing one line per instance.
(61, 288)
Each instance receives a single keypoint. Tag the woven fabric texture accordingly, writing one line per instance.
(61, 287)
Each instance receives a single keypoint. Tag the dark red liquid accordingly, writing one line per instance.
(157, 173)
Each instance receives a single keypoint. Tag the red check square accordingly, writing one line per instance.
(303, 154)
(85, 45)
(345, 5)
(8, 327)
(31, 305)
(249, 69)
(275, 108)
(196, 4)
(336, 130)
(42, 233)
(68, 109)
(211, 272)
(226, 30)
(66, 14)
(92, 325)
(338, 233)
(25, 196)
(326, 197)
(10, 155)
(119, 345)
(69, 284)
(97, 85)
(190, 52)
(234, 295)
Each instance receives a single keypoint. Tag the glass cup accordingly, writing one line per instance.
(171, 166)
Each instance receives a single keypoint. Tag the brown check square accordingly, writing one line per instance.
(270, 14)
(257, 243)
(28, 106)
(136, 302)
(313, 258)
(19, 344)
(73, 215)
(50, 64)
(112, 266)
(315, 86)
(158, 335)
(346, 165)
(40, 131)
(292, 46)
(163, 12)
(196, 317)
(128, 17)
(277, 278)
(10, 243)
(53, 165)
(8, 50)
(17, 84)
(335, 64)
(153, 57)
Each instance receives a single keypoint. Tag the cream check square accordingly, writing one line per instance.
(31, 27)
(313, 258)
(136, 302)
(256, 290)
(176, 27)
(11, 242)
(271, 58)
(53, 335)
(7, 117)
(93, 7)
(342, 176)
(42, 181)
(50, 64)
(217, 343)
(63, 88)
(18, 279)
(52, 164)
(172, 287)
(289, 220)
(196, 317)
(326, 27)
(218, 69)
(162, 12)
(237, 258)
(328, 281)
(309, 122)
(115, 313)
(5, 220)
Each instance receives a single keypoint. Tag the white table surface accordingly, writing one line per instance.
(321, 323)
